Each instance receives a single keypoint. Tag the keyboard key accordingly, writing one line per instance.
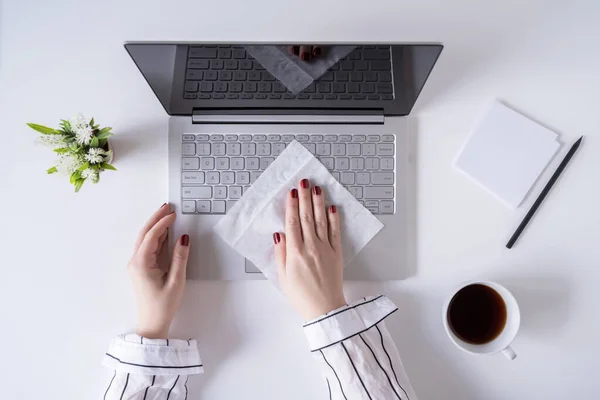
(188, 137)
(207, 163)
(254, 76)
(316, 138)
(242, 177)
(234, 149)
(363, 178)
(331, 138)
(356, 76)
(222, 163)
(202, 52)
(345, 97)
(383, 96)
(235, 192)
(230, 204)
(342, 76)
(200, 192)
(345, 138)
(218, 149)
(328, 162)
(312, 88)
(353, 88)
(385, 149)
(311, 147)
(240, 75)
(218, 206)
(260, 138)
(370, 76)
(386, 207)
(387, 138)
(336, 175)
(359, 138)
(227, 178)
(356, 191)
(203, 149)
(328, 77)
(232, 96)
(361, 65)
(323, 149)
(372, 164)
(330, 97)
(338, 149)
(380, 66)
(252, 163)
(245, 138)
(237, 163)
(373, 138)
(278, 148)
(218, 96)
(266, 76)
(213, 177)
(302, 138)
(353, 149)
(385, 76)
(373, 97)
(347, 65)
(191, 163)
(337, 88)
(197, 64)
(287, 138)
(382, 178)
(253, 177)
(191, 86)
(278, 87)
(265, 162)
(379, 192)
(192, 178)
(384, 88)
(273, 138)
(263, 149)
(188, 149)
(387, 163)
(220, 192)
(347, 178)
(188, 206)
(357, 163)
(231, 64)
(342, 163)
(210, 75)
(323, 87)
(367, 88)
(206, 87)
(248, 149)
(203, 96)
(274, 96)
(239, 53)
(368, 149)
(264, 87)
(216, 64)
(231, 138)
(203, 206)
(250, 87)
(235, 87)
(246, 65)
(220, 87)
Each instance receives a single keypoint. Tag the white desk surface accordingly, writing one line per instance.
(65, 293)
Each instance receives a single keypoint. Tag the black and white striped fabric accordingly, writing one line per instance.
(352, 345)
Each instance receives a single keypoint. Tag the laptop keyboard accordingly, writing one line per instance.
(217, 169)
(229, 72)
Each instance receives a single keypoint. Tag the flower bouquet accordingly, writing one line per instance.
(83, 149)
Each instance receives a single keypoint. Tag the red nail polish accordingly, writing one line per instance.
(185, 240)
(317, 190)
(294, 193)
(304, 183)
(333, 209)
(276, 237)
(163, 205)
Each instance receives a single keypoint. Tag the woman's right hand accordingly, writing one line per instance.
(309, 255)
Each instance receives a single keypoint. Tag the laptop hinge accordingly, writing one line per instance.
(289, 116)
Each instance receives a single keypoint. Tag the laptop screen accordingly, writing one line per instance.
(380, 78)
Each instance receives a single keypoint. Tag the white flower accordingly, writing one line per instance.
(91, 174)
(68, 163)
(83, 130)
(54, 141)
(95, 155)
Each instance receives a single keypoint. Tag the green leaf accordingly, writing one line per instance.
(94, 142)
(62, 150)
(92, 122)
(102, 143)
(108, 166)
(105, 133)
(51, 170)
(43, 129)
(75, 176)
(84, 166)
(78, 184)
(98, 179)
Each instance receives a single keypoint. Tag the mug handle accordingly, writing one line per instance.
(509, 353)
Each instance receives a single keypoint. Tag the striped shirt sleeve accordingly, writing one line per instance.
(356, 353)
(145, 369)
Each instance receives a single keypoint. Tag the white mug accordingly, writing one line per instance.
(502, 342)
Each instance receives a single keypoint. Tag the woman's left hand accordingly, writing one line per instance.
(158, 289)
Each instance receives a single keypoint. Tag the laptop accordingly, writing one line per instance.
(230, 118)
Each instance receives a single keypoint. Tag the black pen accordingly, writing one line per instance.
(544, 193)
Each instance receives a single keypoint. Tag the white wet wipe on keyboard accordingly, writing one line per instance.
(249, 226)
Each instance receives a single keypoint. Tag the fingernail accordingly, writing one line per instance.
(185, 240)
(317, 190)
(294, 193)
(304, 56)
(317, 51)
(276, 237)
(163, 205)
(304, 183)
(333, 209)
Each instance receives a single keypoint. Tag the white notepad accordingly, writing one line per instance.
(506, 153)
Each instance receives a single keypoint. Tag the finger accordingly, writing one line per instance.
(280, 253)
(317, 51)
(307, 217)
(334, 228)
(295, 50)
(162, 240)
(293, 231)
(318, 201)
(305, 53)
(181, 253)
(161, 212)
(151, 240)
